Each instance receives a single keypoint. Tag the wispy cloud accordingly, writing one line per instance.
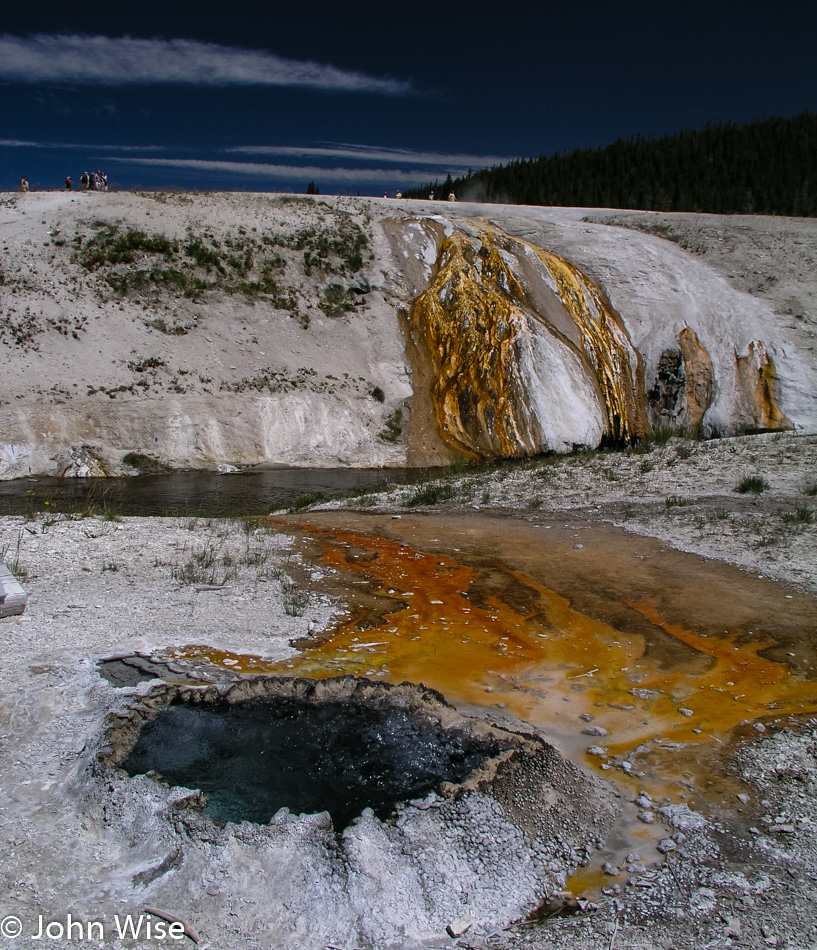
(109, 60)
(79, 146)
(369, 153)
(385, 176)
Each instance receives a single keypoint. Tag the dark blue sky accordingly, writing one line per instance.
(366, 97)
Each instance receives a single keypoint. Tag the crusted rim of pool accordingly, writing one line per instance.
(490, 848)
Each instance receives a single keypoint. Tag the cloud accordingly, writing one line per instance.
(385, 176)
(369, 153)
(79, 146)
(106, 60)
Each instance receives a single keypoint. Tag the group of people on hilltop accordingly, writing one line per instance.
(399, 194)
(96, 181)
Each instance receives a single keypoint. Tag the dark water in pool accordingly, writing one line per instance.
(251, 760)
(198, 493)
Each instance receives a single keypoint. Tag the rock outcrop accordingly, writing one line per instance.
(527, 355)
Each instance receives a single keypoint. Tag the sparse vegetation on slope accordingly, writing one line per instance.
(133, 263)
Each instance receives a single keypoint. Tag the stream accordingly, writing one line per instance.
(204, 494)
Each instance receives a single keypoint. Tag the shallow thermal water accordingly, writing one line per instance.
(642, 662)
(206, 494)
(251, 760)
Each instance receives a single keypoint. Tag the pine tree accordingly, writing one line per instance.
(765, 167)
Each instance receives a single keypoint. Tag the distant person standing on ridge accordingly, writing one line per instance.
(103, 181)
(68, 183)
(85, 180)
(452, 196)
(24, 184)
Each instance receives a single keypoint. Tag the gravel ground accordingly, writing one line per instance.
(744, 876)
(748, 880)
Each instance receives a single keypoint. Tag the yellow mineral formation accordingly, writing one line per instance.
(493, 337)
(617, 365)
(468, 319)
(700, 378)
(757, 387)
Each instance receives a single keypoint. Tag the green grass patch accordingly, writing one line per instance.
(206, 257)
(137, 264)
(801, 515)
(110, 246)
(752, 484)
(430, 494)
(394, 427)
(337, 300)
(306, 500)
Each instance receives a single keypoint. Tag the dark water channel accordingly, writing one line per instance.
(206, 494)
(251, 760)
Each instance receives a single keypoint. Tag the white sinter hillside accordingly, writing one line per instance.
(142, 332)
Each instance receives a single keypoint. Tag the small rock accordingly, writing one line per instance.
(578, 547)
(685, 712)
(759, 727)
(610, 869)
(651, 694)
(680, 817)
(666, 845)
(644, 801)
(596, 750)
(594, 731)
(586, 716)
(647, 817)
(743, 797)
(458, 927)
(733, 927)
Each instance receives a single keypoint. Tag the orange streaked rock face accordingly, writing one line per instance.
(758, 389)
(527, 354)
